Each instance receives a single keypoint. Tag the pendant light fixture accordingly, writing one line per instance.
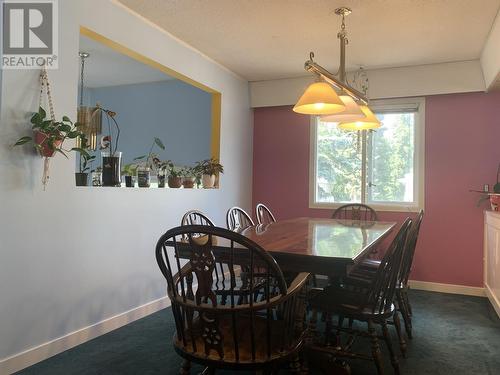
(319, 99)
(356, 115)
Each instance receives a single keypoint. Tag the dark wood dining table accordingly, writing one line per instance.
(319, 246)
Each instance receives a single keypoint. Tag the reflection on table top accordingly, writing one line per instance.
(345, 240)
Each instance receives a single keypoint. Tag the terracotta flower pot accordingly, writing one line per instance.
(41, 139)
(174, 182)
(495, 202)
(188, 183)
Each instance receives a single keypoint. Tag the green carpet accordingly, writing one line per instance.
(453, 335)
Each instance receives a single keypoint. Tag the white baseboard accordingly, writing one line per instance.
(46, 350)
(493, 299)
(448, 288)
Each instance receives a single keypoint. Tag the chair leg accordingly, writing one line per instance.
(403, 308)
(388, 342)
(402, 341)
(295, 365)
(185, 368)
(339, 327)
(407, 301)
(376, 353)
(208, 371)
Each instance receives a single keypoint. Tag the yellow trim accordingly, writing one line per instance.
(216, 119)
(216, 95)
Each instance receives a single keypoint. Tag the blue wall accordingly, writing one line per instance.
(177, 113)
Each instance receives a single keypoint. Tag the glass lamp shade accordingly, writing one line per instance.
(370, 121)
(319, 99)
(352, 112)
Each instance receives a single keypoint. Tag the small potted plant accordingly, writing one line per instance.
(129, 171)
(111, 158)
(174, 176)
(188, 177)
(85, 161)
(148, 162)
(161, 167)
(210, 169)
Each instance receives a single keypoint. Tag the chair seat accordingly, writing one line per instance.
(348, 302)
(221, 343)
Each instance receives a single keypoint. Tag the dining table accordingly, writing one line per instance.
(327, 247)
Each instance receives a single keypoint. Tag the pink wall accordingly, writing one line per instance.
(461, 152)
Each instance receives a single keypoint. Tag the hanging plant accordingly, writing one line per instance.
(49, 136)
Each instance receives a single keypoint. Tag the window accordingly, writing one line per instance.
(381, 168)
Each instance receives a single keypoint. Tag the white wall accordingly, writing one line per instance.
(71, 257)
(490, 57)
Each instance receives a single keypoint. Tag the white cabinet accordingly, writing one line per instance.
(492, 257)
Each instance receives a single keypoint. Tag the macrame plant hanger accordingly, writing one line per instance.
(45, 90)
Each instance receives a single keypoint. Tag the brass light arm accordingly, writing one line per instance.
(313, 67)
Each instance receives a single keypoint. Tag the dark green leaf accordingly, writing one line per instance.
(66, 119)
(64, 128)
(42, 113)
(74, 134)
(35, 119)
(140, 157)
(159, 143)
(22, 141)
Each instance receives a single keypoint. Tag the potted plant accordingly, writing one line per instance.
(129, 171)
(148, 162)
(85, 159)
(188, 175)
(174, 176)
(492, 196)
(209, 169)
(111, 158)
(49, 136)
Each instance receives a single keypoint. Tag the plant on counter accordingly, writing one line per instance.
(129, 171)
(161, 167)
(494, 196)
(188, 175)
(174, 176)
(111, 160)
(85, 161)
(209, 169)
(148, 162)
(151, 159)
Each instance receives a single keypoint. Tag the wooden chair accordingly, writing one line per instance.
(220, 333)
(355, 211)
(368, 268)
(264, 214)
(195, 217)
(237, 219)
(374, 307)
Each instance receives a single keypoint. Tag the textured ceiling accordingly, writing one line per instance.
(270, 39)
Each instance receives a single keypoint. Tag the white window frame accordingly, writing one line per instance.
(419, 158)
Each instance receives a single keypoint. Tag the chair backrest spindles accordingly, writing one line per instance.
(355, 211)
(264, 214)
(237, 219)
